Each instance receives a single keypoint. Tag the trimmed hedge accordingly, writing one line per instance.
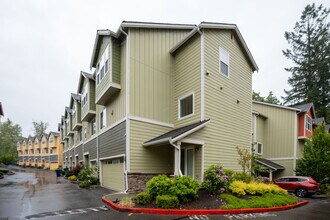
(167, 201)
(240, 188)
(143, 198)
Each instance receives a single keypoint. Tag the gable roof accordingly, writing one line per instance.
(220, 26)
(318, 121)
(53, 133)
(306, 107)
(270, 164)
(74, 97)
(67, 111)
(1, 110)
(83, 75)
(176, 134)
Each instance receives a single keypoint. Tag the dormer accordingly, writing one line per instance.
(52, 139)
(36, 142)
(30, 142)
(68, 121)
(44, 140)
(106, 63)
(75, 106)
(305, 120)
(86, 90)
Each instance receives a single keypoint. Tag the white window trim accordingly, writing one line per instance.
(102, 64)
(104, 121)
(256, 148)
(185, 161)
(193, 106)
(220, 48)
(306, 122)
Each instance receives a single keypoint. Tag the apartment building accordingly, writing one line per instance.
(161, 99)
(45, 151)
(279, 134)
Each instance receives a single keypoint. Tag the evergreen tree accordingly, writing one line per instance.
(9, 135)
(316, 157)
(271, 98)
(310, 53)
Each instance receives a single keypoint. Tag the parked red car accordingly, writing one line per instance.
(302, 186)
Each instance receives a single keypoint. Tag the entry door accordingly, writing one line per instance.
(187, 162)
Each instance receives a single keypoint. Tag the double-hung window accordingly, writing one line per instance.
(308, 123)
(103, 117)
(93, 126)
(84, 98)
(259, 148)
(186, 106)
(102, 66)
(224, 62)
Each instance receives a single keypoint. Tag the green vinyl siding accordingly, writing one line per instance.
(115, 57)
(151, 72)
(187, 69)
(278, 133)
(84, 109)
(157, 159)
(91, 100)
(227, 101)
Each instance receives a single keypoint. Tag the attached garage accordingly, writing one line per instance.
(112, 172)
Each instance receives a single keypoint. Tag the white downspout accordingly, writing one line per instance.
(177, 161)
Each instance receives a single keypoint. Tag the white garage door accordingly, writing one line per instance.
(113, 174)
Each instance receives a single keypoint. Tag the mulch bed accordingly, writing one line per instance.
(204, 201)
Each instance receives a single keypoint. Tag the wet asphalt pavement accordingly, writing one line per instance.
(39, 194)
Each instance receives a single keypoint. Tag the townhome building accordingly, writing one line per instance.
(45, 151)
(279, 134)
(161, 99)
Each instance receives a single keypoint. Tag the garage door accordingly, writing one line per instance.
(113, 174)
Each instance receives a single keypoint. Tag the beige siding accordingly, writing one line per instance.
(230, 122)
(288, 164)
(149, 159)
(260, 130)
(91, 97)
(116, 57)
(187, 70)
(278, 131)
(151, 68)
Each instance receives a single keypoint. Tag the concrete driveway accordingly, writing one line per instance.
(38, 194)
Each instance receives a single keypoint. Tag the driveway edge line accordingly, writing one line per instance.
(198, 211)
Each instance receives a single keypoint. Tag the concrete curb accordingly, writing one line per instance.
(198, 211)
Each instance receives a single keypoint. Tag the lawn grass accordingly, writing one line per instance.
(265, 201)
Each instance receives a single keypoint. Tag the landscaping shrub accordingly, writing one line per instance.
(39, 167)
(159, 185)
(68, 174)
(167, 201)
(94, 181)
(1, 174)
(127, 202)
(325, 189)
(143, 198)
(76, 169)
(86, 174)
(215, 179)
(265, 201)
(73, 178)
(84, 184)
(240, 188)
(241, 176)
(185, 188)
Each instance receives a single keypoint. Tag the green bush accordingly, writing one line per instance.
(86, 174)
(68, 174)
(241, 176)
(325, 189)
(72, 178)
(143, 198)
(240, 188)
(159, 185)
(167, 201)
(94, 181)
(184, 188)
(84, 184)
(1, 174)
(215, 179)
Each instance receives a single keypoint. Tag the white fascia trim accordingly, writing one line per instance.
(189, 132)
(86, 153)
(164, 140)
(192, 141)
(202, 78)
(277, 106)
(295, 130)
(112, 126)
(156, 25)
(116, 156)
(77, 155)
(150, 121)
(93, 160)
(184, 40)
(280, 158)
(127, 99)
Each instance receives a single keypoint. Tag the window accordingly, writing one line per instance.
(186, 106)
(30, 143)
(51, 151)
(308, 123)
(93, 126)
(74, 111)
(84, 98)
(259, 148)
(224, 62)
(51, 139)
(102, 66)
(80, 135)
(36, 142)
(46, 151)
(85, 132)
(103, 117)
(38, 151)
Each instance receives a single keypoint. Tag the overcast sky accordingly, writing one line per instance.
(44, 44)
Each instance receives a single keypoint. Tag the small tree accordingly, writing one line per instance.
(316, 156)
(9, 135)
(244, 159)
(39, 127)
